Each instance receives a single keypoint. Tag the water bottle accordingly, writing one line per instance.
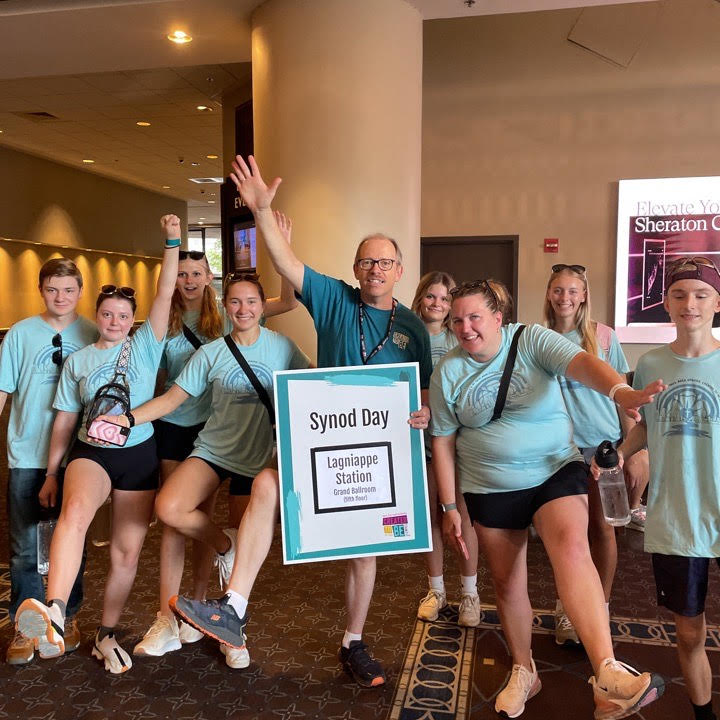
(613, 493)
(45, 529)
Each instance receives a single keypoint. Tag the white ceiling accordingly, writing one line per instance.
(100, 66)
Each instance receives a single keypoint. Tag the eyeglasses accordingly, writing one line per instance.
(192, 254)
(466, 288)
(57, 357)
(368, 263)
(126, 292)
(677, 265)
(579, 269)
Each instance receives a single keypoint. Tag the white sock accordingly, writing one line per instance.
(237, 602)
(469, 584)
(436, 583)
(348, 637)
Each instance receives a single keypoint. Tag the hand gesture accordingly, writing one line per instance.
(171, 225)
(48, 492)
(252, 188)
(284, 224)
(630, 400)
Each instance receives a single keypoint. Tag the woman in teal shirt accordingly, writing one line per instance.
(523, 468)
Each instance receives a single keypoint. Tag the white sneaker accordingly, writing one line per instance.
(236, 658)
(431, 605)
(564, 630)
(620, 690)
(189, 634)
(162, 637)
(44, 625)
(522, 685)
(115, 658)
(224, 563)
(469, 610)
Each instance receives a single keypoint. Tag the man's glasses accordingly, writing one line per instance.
(368, 263)
(126, 292)
(691, 262)
(468, 288)
(192, 254)
(579, 269)
(57, 357)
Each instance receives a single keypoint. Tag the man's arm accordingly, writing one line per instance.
(3, 400)
(258, 196)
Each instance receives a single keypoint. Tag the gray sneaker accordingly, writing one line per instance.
(564, 631)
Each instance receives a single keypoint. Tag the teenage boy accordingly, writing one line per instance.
(682, 431)
(31, 356)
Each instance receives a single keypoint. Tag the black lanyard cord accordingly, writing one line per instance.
(361, 316)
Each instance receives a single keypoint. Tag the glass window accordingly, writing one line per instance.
(195, 239)
(213, 249)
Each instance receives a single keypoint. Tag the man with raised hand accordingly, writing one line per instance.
(355, 326)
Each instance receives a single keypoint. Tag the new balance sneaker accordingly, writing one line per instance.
(162, 637)
(108, 651)
(216, 618)
(431, 605)
(20, 651)
(564, 630)
(620, 690)
(72, 635)
(638, 516)
(522, 685)
(358, 662)
(236, 658)
(469, 610)
(42, 624)
(188, 634)
(224, 563)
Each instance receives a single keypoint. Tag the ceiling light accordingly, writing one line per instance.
(88, 162)
(211, 202)
(211, 157)
(207, 180)
(142, 123)
(165, 187)
(195, 164)
(204, 108)
(179, 37)
(200, 222)
(202, 218)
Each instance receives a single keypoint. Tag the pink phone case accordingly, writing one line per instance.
(108, 432)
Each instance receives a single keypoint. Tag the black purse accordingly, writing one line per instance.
(507, 374)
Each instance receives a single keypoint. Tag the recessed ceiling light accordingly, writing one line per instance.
(142, 123)
(204, 108)
(179, 37)
(200, 222)
(211, 157)
(165, 187)
(202, 218)
(195, 164)
(88, 162)
(211, 202)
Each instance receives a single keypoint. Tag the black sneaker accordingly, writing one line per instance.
(357, 662)
(216, 618)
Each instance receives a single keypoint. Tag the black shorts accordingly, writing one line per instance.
(514, 510)
(175, 442)
(681, 583)
(129, 468)
(239, 484)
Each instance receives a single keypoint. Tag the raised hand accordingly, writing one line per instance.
(284, 223)
(255, 193)
(630, 400)
(171, 225)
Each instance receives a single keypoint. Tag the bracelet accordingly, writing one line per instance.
(617, 387)
(47, 475)
(173, 243)
(447, 507)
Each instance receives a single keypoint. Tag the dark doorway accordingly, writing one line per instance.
(473, 258)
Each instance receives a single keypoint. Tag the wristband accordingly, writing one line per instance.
(131, 418)
(617, 387)
(47, 475)
(447, 507)
(173, 243)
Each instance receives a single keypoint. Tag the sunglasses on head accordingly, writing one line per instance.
(579, 269)
(57, 357)
(466, 288)
(192, 254)
(241, 275)
(694, 262)
(126, 292)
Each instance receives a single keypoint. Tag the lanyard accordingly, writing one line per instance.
(363, 351)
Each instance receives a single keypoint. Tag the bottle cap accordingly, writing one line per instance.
(606, 455)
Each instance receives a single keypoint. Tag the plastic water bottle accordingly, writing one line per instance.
(45, 529)
(613, 493)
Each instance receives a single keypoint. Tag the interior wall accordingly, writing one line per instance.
(526, 133)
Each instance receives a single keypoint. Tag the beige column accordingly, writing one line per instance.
(337, 93)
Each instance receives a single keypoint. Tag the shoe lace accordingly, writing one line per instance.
(563, 622)
(158, 627)
(520, 676)
(433, 595)
(468, 601)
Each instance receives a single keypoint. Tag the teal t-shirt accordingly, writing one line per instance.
(532, 439)
(594, 416)
(88, 369)
(28, 372)
(176, 353)
(333, 306)
(238, 435)
(683, 431)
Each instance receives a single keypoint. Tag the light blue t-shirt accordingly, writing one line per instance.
(238, 435)
(88, 369)
(28, 372)
(683, 431)
(333, 306)
(441, 344)
(594, 415)
(176, 353)
(532, 439)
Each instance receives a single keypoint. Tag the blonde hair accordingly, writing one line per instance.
(496, 295)
(436, 277)
(210, 323)
(583, 324)
(504, 297)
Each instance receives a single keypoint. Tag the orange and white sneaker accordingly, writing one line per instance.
(109, 652)
(522, 685)
(44, 625)
(620, 690)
